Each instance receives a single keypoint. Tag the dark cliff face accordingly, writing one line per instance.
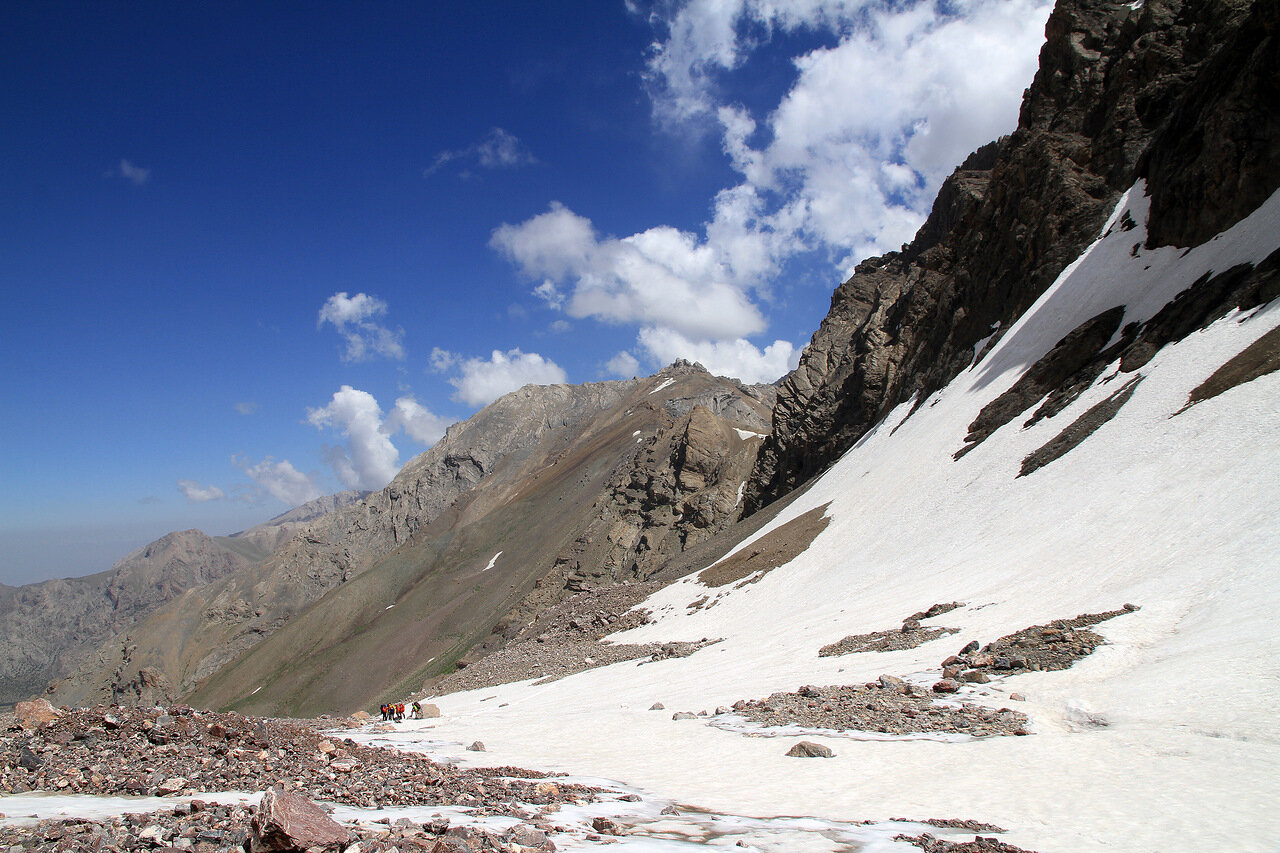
(1183, 94)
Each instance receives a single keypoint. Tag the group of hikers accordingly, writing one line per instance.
(394, 711)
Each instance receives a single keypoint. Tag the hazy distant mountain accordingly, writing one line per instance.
(49, 629)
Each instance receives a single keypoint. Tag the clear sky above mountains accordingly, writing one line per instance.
(251, 253)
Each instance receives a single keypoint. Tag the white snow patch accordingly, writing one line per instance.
(665, 384)
(492, 562)
(745, 434)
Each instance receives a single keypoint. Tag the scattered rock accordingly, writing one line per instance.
(809, 749)
(684, 715)
(35, 715)
(657, 706)
(607, 826)
(946, 685)
(287, 822)
(476, 746)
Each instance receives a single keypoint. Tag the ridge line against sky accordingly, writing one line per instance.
(258, 254)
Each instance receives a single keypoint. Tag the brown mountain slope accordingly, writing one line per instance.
(371, 593)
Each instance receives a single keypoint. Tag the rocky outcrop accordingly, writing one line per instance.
(1180, 93)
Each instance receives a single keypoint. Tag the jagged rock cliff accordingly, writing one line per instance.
(1182, 94)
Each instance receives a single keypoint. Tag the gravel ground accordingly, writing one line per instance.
(119, 750)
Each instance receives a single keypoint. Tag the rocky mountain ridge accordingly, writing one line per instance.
(677, 445)
(1179, 93)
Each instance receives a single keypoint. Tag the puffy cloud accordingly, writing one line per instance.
(661, 276)
(369, 460)
(196, 493)
(282, 481)
(483, 381)
(624, 365)
(738, 358)
(442, 361)
(843, 166)
(417, 421)
(246, 407)
(870, 126)
(354, 318)
(497, 150)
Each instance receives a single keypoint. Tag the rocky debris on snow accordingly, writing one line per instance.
(884, 707)
(657, 706)
(979, 844)
(549, 659)
(936, 610)
(809, 749)
(202, 827)
(1040, 648)
(908, 636)
(953, 823)
(187, 752)
(476, 746)
(607, 826)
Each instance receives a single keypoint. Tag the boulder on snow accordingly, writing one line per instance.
(946, 685)
(476, 746)
(285, 823)
(809, 749)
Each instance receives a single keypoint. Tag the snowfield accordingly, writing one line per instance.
(1163, 739)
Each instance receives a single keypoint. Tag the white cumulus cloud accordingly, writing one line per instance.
(483, 381)
(355, 318)
(196, 493)
(738, 358)
(369, 460)
(282, 481)
(624, 365)
(855, 150)
(417, 421)
(661, 276)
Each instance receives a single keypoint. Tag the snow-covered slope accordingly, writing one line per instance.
(1162, 739)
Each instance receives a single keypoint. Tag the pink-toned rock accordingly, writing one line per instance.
(35, 714)
(946, 685)
(285, 822)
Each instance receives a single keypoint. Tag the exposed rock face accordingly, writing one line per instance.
(1180, 93)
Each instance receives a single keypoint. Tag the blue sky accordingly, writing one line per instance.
(252, 253)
